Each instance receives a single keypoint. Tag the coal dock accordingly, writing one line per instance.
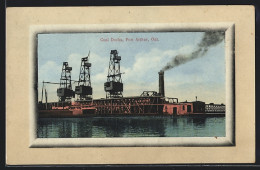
(78, 102)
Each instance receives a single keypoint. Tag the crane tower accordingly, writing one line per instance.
(65, 92)
(114, 86)
(84, 89)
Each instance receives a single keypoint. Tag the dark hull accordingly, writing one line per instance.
(69, 114)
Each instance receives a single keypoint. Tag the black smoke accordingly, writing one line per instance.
(209, 40)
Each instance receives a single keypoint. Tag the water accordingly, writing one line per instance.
(134, 126)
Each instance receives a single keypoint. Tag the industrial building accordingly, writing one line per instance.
(148, 103)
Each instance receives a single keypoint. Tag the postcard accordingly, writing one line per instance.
(106, 88)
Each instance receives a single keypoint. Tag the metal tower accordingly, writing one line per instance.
(84, 89)
(114, 86)
(65, 92)
(44, 92)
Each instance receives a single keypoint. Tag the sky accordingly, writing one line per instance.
(141, 61)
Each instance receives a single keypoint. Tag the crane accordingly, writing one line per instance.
(65, 92)
(84, 89)
(44, 93)
(114, 86)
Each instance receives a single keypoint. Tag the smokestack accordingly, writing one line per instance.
(161, 83)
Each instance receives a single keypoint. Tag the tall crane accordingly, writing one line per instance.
(44, 93)
(84, 89)
(65, 92)
(114, 86)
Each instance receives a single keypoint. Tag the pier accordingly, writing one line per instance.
(215, 108)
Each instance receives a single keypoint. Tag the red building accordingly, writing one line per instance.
(184, 108)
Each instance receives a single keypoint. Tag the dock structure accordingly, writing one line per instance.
(148, 103)
(215, 108)
(130, 105)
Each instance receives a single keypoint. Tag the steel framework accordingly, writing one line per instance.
(114, 86)
(215, 108)
(129, 105)
(65, 92)
(84, 89)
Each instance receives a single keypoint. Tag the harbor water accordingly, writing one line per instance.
(132, 126)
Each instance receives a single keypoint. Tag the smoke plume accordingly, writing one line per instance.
(209, 39)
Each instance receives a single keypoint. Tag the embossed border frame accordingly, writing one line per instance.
(228, 140)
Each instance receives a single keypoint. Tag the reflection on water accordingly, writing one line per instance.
(135, 126)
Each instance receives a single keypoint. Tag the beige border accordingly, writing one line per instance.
(18, 107)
